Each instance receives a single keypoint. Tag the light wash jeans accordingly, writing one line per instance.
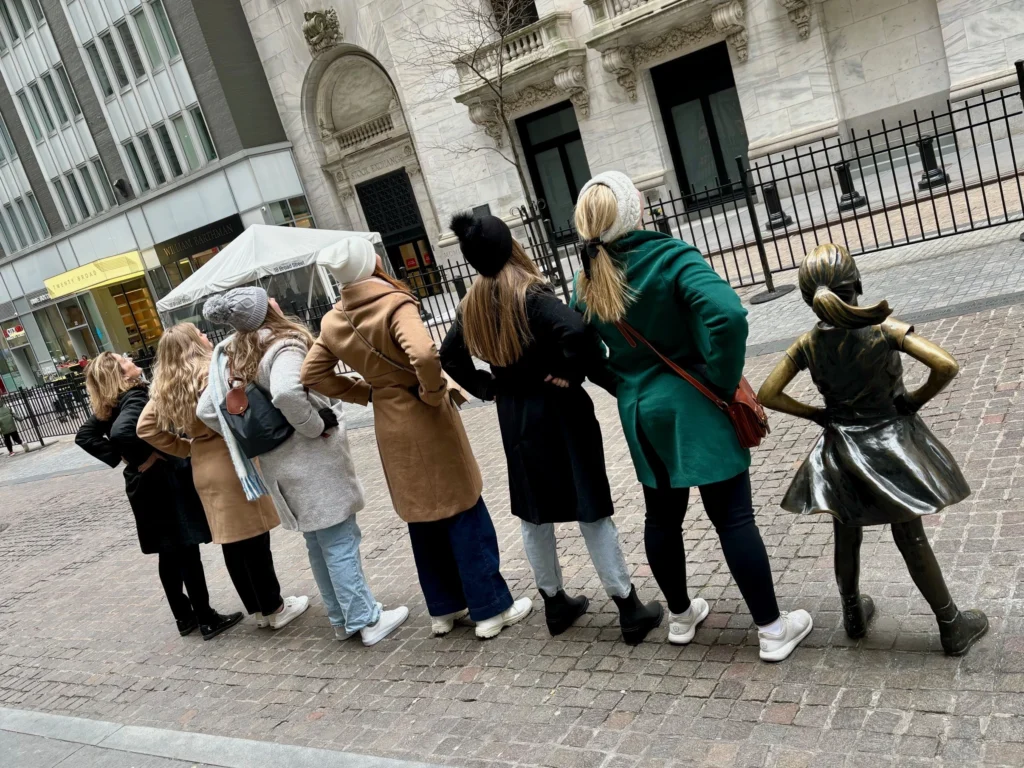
(602, 540)
(338, 570)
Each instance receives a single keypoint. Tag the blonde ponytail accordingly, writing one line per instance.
(606, 293)
(828, 270)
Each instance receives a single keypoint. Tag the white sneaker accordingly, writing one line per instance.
(261, 621)
(442, 625)
(293, 608)
(340, 633)
(795, 627)
(518, 611)
(681, 630)
(387, 623)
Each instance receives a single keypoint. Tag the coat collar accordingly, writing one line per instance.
(355, 295)
(636, 239)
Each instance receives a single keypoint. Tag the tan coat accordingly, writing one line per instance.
(231, 517)
(428, 462)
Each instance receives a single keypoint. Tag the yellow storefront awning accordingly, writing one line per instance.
(108, 271)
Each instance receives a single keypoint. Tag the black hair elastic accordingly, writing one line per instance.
(588, 252)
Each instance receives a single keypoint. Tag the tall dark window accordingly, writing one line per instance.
(511, 15)
(556, 160)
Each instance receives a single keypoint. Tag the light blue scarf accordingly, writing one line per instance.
(248, 474)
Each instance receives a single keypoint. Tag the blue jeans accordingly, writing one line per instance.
(458, 564)
(602, 539)
(338, 570)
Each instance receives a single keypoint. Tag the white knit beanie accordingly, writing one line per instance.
(628, 198)
(349, 260)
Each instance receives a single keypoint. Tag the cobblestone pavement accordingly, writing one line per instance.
(85, 630)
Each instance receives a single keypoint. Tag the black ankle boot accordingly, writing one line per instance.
(959, 630)
(217, 623)
(186, 627)
(857, 612)
(637, 619)
(561, 611)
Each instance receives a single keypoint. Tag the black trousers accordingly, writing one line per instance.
(251, 567)
(10, 439)
(731, 510)
(183, 567)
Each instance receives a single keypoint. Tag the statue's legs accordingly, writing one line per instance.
(959, 630)
(857, 608)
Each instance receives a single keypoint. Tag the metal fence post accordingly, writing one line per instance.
(933, 175)
(777, 218)
(548, 232)
(32, 416)
(771, 293)
(1020, 85)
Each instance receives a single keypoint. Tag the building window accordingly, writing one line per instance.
(101, 174)
(58, 105)
(136, 163)
(30, 115)
(115, 59)
(37, 9)
(292, 213)
(7, 148)
(512, 15)
(150, 149)
(37, 212)
(164, 25)
(69, 92)
(18, 234)
(65, 203)
(29, 226)
(9, 245)
(19, 8)
(44, 110)
(90, 188)
(76, 192)
(131, 49)
(156, 60)
(12, 30)
(181, 128)
(168, 147)
(204, 134)
(106, 89)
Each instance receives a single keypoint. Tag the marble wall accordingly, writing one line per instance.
(982, 39)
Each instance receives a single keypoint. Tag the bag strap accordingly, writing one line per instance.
(633, 336)
(370, 346)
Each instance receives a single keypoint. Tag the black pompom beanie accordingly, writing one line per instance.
(486, 242)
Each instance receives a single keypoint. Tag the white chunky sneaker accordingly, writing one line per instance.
(261, 621)
(795, 627)
(682, 628)
(293, 608)
(518, 611)
(442, 625)
(387, 623)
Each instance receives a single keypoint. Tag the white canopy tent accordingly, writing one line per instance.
(261, 251)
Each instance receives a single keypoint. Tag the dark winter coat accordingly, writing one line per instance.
(552, 441)
(168, 512)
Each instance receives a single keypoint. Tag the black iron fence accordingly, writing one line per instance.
(49, 410)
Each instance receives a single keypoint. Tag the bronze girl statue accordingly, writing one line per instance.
(876, 462)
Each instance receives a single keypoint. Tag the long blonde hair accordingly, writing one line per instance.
(179, 376)
(247, 348)
(606, 293)
(494, 311)
(825, 272)
(105, 382)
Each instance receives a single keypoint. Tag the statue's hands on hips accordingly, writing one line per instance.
(906, 405)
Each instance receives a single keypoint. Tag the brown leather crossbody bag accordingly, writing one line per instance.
(745, 411)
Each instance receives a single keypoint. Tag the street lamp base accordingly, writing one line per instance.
(765, 296)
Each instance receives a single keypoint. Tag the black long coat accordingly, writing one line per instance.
(552, 441)
(167, 509)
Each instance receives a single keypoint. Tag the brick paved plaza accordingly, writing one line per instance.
(84, 629)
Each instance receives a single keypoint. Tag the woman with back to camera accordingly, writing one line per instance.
(539, 351)
(435, 484)
(310, 476)
(242, 527)
(169, 516)
(678, 438)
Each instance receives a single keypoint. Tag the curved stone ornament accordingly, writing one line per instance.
(729, 19)
(485, 114)
(321, 29)
(573, 80)
(619, 62)
(799, 14)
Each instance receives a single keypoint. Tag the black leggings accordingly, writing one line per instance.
(250, 565)
(183, 567)
(10, 439)
(731, 510)
(912, 542)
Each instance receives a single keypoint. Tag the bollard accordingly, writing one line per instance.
(777, 218)
(933, 175)
(661, 221)
(851, 198)
(460, 287)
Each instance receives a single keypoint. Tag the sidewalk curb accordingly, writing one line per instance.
(219, 751)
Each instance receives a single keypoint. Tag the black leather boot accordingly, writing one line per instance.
(959, 630)
(186, 627)
(217, 623)
(561, 611)
(857, 612)
(637, 619)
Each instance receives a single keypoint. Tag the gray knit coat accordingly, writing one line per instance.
(312, 479)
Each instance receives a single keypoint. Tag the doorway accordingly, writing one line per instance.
(557, 162)
(700, 109)
(390, 207)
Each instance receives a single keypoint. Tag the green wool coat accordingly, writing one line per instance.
(693, 317)
(7, 422)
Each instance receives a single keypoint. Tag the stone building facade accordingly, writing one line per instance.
(394, 132)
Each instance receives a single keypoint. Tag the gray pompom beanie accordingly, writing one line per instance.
(628, 198)
(244, 309)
